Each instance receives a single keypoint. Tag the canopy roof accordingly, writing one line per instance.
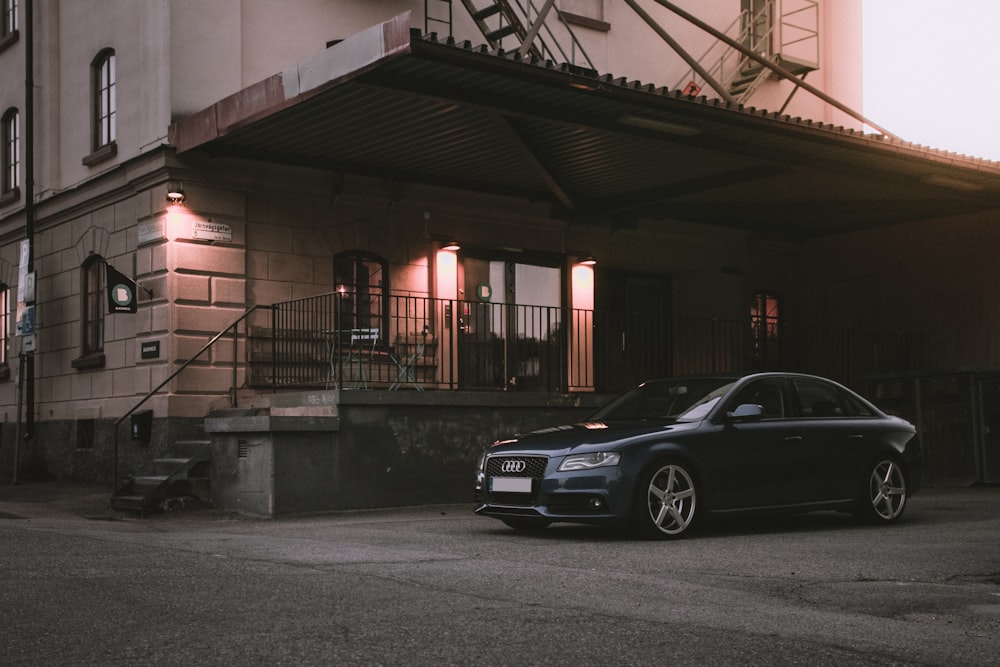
(392, 103)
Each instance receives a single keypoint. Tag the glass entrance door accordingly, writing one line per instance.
(511, 326)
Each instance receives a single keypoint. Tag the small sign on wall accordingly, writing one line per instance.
(149, 349)
(203, 230)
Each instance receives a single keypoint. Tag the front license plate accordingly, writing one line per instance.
(510, 484)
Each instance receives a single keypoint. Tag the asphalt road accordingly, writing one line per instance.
(80, 585)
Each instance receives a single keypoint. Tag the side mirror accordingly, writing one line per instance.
(746, 412)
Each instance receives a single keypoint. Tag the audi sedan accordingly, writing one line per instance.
(669, 453)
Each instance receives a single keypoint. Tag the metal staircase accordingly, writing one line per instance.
(789, 39)
(530, 28)
(181, 477)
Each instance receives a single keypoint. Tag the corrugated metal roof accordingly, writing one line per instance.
(602, 149)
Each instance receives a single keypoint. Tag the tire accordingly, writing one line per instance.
(526, 523)
(883, 492)
(666, 503)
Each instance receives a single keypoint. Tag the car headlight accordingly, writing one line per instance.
(589, 461)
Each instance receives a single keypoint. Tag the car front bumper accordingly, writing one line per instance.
(595, 496)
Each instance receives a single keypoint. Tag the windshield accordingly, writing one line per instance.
(680, 400)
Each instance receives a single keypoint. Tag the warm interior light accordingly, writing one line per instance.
(175, 196)
(447, 275)
(451, 246)
(583, 287)
(588, 261)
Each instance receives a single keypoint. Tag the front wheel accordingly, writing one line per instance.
(884, 492)
(666, 502)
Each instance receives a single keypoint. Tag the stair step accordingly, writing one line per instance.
(150, 479)
(486, 12)
(183, 472)
(505, 31)
(191, 448)
(173, 466)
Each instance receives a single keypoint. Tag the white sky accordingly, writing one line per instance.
(932, 72)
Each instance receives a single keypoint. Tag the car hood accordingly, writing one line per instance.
(589, 436)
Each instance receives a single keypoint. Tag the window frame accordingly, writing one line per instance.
(92, 294)
(104, 107)
(765, 328)
(10, 153)
(5, 315)
(362, 304)
(10, 19)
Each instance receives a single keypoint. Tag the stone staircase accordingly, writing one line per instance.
(181, 477)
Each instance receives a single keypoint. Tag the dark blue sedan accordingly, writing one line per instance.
(669, 452)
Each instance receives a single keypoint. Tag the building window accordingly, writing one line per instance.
(105, 79)
(363, 285)
(10, 181)
(765, 329)
(85, 433)
(8, 30)
(4, 331)
(92, 319)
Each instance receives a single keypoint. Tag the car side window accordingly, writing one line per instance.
(821, 400)
(767, 393)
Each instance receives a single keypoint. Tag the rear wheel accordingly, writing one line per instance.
(666, 503)
(526, 523)
(884, 496)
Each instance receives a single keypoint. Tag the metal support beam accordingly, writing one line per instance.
(777, 69)
(688, 58)
(536, 25)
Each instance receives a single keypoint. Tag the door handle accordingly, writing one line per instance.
(856, 436)
(793, 438)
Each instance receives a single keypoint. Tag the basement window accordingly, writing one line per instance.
(85, 433)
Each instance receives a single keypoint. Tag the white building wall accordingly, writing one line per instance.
(176, 57)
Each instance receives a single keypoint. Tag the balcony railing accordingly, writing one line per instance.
(411, 342)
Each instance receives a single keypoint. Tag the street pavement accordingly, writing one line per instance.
(81, 584)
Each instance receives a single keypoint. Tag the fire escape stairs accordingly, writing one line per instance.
(181, 477)
(497, 20)
(747, 80)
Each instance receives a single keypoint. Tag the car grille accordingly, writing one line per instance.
(534, 466)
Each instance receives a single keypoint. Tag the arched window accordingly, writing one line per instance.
(10, 180)
(105, 81)
(765, 329)
(362, 280)
(92, 313)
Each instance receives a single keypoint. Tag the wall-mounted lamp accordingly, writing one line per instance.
(452, 246)
(175, 193)
(588, 261)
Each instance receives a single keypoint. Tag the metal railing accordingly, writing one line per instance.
(792, 34)
(236, 364)
(404, 341)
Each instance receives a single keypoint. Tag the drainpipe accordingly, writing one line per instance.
(26, 360)
(29, 194)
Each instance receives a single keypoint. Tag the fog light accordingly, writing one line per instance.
(595, 504)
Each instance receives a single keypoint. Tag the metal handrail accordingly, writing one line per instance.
(232, 395)
(576, 45)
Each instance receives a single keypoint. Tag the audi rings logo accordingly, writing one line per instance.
(513, 466)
